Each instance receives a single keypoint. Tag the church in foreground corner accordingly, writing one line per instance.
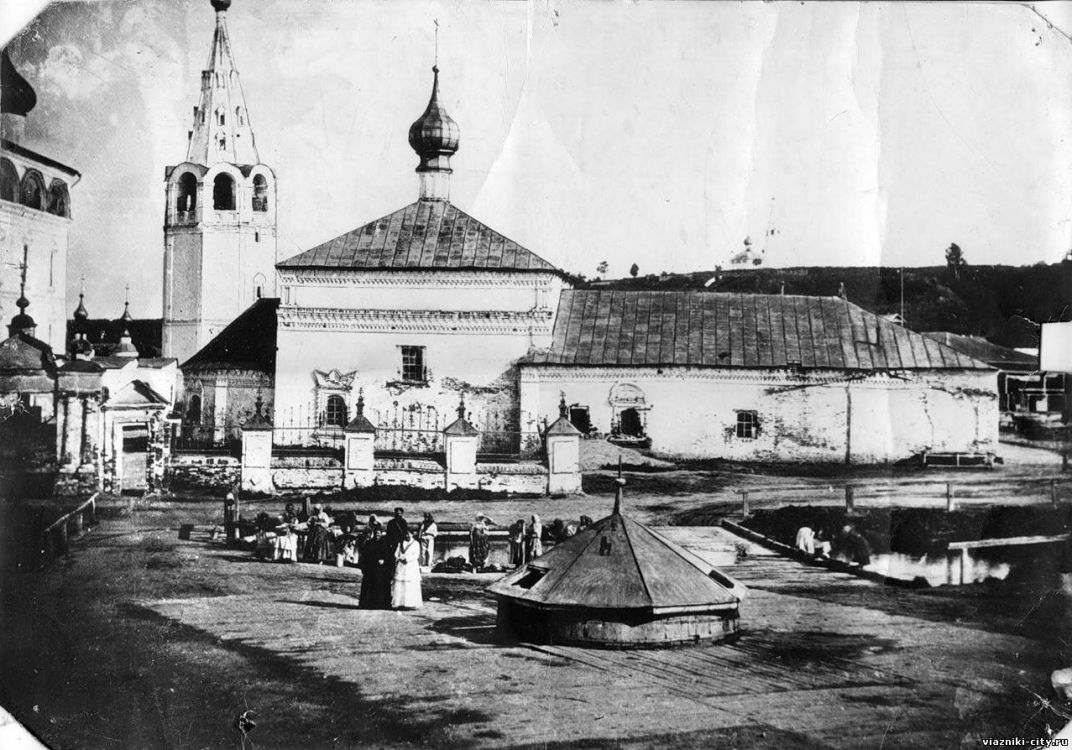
(413, 313)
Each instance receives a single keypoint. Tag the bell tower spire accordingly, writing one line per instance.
(221, 129)
(220, 220)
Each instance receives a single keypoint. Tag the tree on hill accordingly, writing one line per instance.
(954, 258)
(601, 269)
(634, 270)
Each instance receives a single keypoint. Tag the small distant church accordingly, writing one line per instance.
(409, 318)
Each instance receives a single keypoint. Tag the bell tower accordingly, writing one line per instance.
(220, 217)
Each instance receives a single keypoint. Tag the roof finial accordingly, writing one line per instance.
(22, 323)
(618, 492)
(563, 410)
(360, 402)
(461, 406)
(435, 65)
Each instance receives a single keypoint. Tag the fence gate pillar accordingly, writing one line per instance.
(257, 453)
(460, 441)
(359, 450)
(563, 455)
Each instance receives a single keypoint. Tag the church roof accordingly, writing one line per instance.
(136, 394)
(617, 564)
(248, 343)
(26, 365)
(995, 355)
(426, 235)
(706, 329)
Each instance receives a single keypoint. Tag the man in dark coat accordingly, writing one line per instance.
(397, 528)
(377, 568)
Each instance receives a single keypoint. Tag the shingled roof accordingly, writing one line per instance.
(425, 235)
(248, 343)
(619, 564)
(705, 329)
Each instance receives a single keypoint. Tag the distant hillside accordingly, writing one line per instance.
(986, 301)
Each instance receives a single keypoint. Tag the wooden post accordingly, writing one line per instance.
(62, 529)
(76, 519)
(1053, 492)
(963, 566)
(93, 511)
(850, 498)
(305, 506)
(744, 502)
(950, 501)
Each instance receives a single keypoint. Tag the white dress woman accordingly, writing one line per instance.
(406, 585)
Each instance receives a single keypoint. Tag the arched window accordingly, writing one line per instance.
(222, 142)
(9, 181)
(221, 117)
(258, 286)
(335, 413)
(186, 197)
(58, 199)
(223, 193)
(33, 190)
(193, 410)
(260, 193)
(239, 119)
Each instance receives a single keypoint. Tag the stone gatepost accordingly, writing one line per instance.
(460, 443)
(359, 453)
(563, 454)
(257, 453)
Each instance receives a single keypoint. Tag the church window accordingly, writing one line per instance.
(223, 193)
(33, 190)
(223, 117)
(747, 425)
(256, 236)
(238, 116)
(258, 285)
(413, 368)
(335, 412)
(260, 193)
(222, 142)
(58, 203)
(186, 202)
(193, 410)
(9, 181)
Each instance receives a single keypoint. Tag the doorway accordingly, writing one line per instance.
(134, 458)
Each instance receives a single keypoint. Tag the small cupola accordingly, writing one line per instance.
(22, 322)
(125, 347)
(434, 136)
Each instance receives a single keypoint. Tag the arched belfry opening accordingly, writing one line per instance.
(33, 190)
(9, 181)
(223, 193)
(186, 193)
(260, 193)
(59, 202)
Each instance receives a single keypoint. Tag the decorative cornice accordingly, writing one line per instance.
(434, 279)
(783, 379)
(536, 322)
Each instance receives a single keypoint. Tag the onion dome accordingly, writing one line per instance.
(221, 5)
(17, 96)
(81, 348)
(126, 317)
(22, 322)
(126, 348)
(434, 135)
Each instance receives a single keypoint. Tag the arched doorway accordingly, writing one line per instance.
(629, 410)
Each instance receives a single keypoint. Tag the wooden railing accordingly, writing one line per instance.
(56, 537)
(1012, 541)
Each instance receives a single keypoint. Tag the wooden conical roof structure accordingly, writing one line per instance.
(619, 583)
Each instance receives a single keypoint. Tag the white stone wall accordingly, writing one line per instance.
(829, 416)
(45, 237)
(474, 326)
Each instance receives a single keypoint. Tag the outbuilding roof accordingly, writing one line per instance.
(618, 564)
(426, 235)
(247, 343)
(995, 355)
(709, 329)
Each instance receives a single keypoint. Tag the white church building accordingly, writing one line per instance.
(427, 307)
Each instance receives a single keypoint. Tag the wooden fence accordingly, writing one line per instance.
(55, 539)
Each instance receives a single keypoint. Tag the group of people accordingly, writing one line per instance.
(849, 544)
(389, 555)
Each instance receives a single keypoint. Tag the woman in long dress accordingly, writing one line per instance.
(533, 538)
(318, 545)
(479, 544)
(406, 585)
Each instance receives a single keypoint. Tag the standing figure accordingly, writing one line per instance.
(427, 534)
(854, 545)
(318, 545)
(231, 518)
(533, 538)
(397, 528)
(479, 544)
(517, 543)
(372, 529)
(406, 584)
(375, 587)
(805, 541)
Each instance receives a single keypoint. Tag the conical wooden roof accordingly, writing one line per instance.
(618, 563)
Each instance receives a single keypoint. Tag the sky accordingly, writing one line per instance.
(659, 133)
